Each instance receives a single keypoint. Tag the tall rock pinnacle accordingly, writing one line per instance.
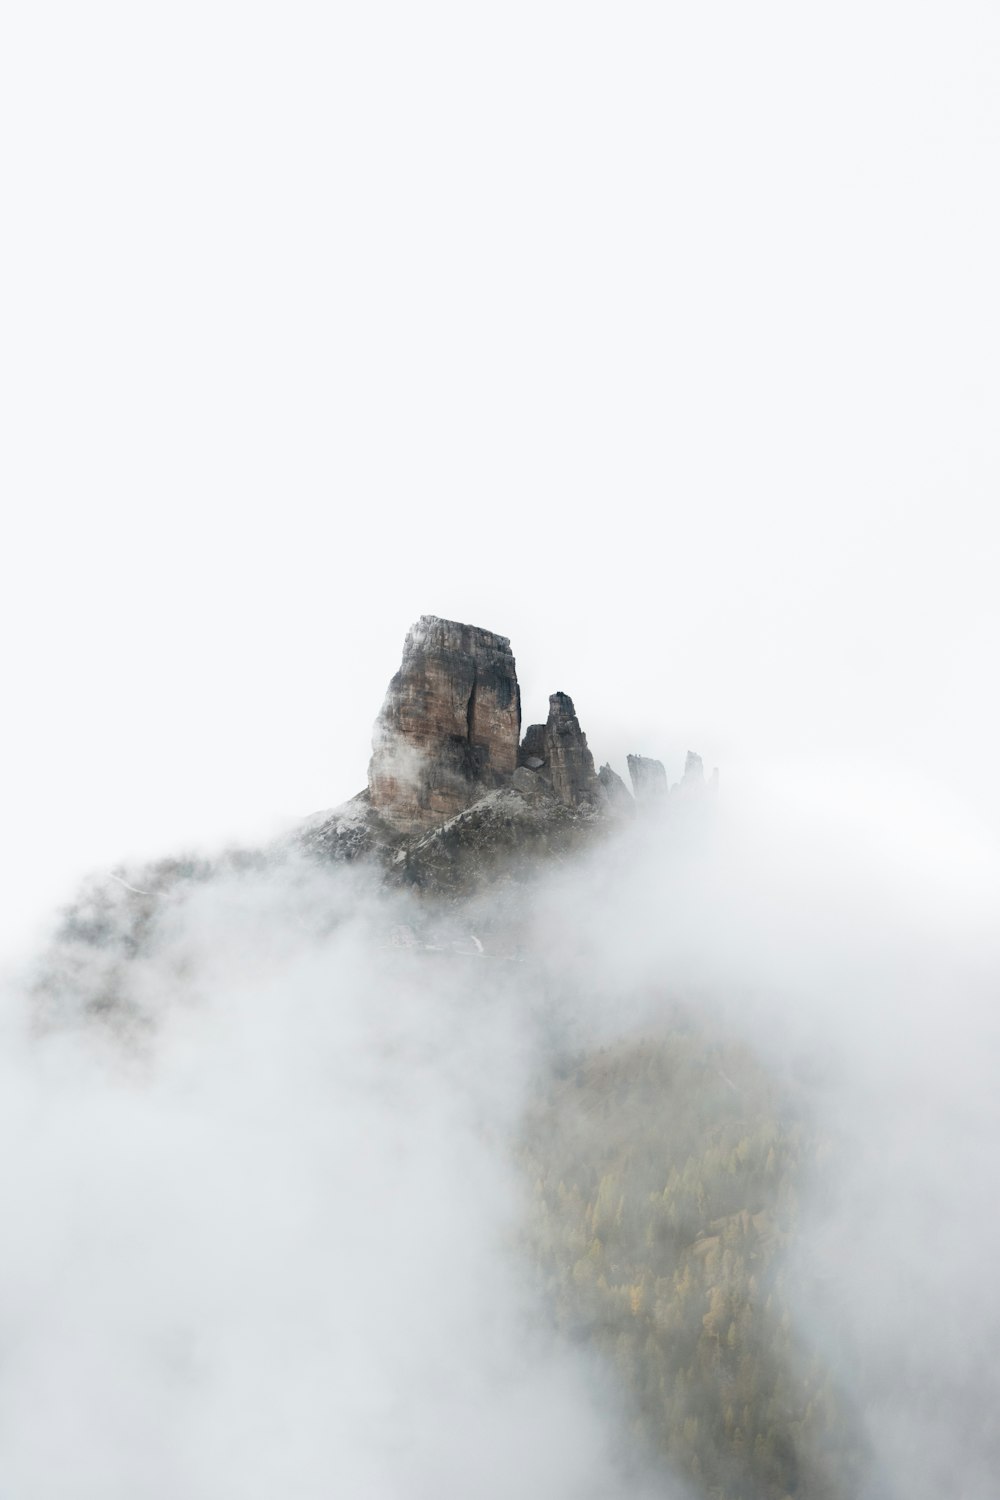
(449, 726)
(558, 751)
(649, 779)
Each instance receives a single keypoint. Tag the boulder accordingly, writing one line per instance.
(533, 751)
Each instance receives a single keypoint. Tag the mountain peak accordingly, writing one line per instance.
(449, 727)
(452, 786)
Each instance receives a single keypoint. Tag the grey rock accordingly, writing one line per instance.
(534, 750)
(569, 764)
(530, 784)
(649, 779)
(692, 786)
(613, 792)
(694, 771)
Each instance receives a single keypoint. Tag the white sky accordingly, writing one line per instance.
(661, 338)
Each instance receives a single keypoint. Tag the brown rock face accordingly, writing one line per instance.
(558, 751)
(448, 730)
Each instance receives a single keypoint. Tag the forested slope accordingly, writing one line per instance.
(666, 1177)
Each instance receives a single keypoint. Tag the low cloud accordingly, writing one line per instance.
(263, 1225)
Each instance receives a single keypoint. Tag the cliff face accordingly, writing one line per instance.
(449, 729)
(557, 751)
(649, 779)
(450, 724)
(453, 791)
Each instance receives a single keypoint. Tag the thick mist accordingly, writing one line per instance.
(263, 1201)
(262, 1212)
(848, 936)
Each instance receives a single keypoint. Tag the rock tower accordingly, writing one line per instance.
(450, 724)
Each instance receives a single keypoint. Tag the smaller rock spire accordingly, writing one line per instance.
(649, 779)
(557, 750)
(615, 793)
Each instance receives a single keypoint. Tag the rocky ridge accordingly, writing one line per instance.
(455, 794)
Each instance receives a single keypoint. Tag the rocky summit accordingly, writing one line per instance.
(449, 727)
(454, 790)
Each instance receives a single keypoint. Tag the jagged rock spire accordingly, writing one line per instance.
(649, 779)
(448, 732)
(567, 761)
(615, 793)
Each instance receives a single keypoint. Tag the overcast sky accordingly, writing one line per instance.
(661, 338)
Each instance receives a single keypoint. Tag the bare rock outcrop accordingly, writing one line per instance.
(557, 750)
(694, 771)
(649, 779)
(498, 841)
(693, 786)
(453, 798)
(449, 727)
(614, 793)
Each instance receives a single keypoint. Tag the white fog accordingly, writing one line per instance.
(657, 1157)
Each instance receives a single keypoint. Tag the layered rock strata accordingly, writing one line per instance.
(454, 795)
(649, 779)
(450, 724)
(557, 750)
